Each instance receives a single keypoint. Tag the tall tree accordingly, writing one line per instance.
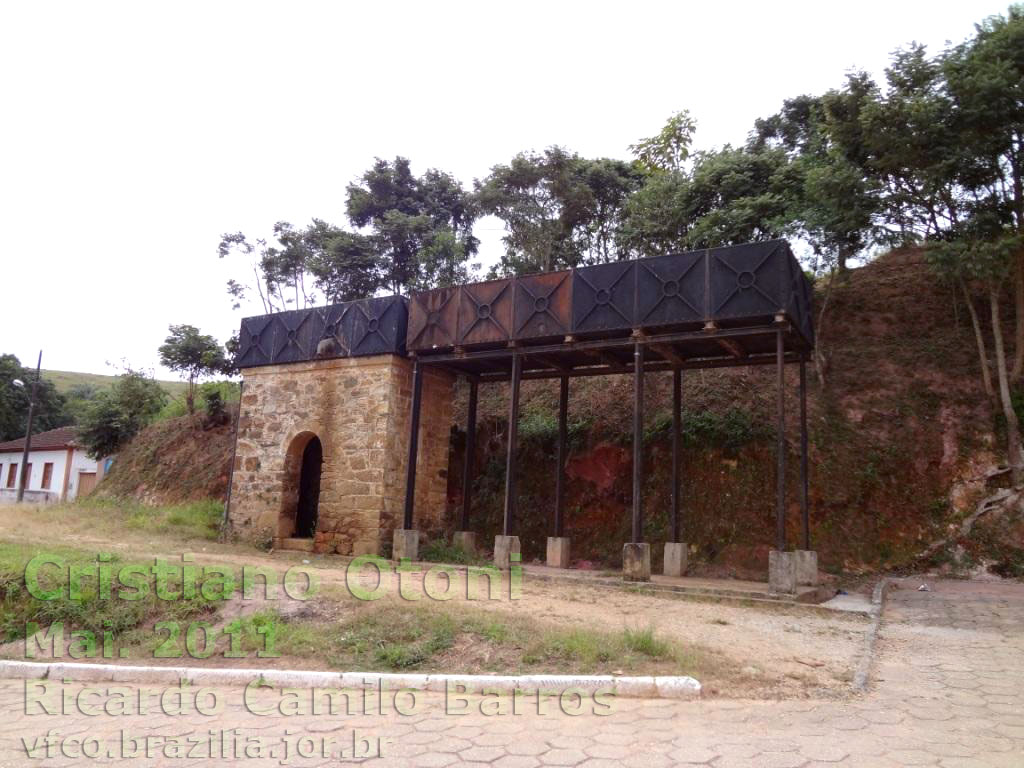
(193, 355)
(559, 209)
(407, 217)
(117, 414)
(50, 410)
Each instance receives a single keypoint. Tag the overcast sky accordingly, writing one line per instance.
(133, 134)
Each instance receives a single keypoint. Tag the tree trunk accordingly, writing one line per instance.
(843, 254)
(1013, 448)
(819, 348)
(979, 338)
(1018, 308)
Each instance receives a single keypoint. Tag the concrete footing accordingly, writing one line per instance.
(466, 541)
(558, 552)
(636, 561)
(405, 543)
(504, 548)
(675, 558)
(782, 572)
(806, 567)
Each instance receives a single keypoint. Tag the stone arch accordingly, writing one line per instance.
(300, 495)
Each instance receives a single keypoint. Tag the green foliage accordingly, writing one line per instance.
(443, 551)
(421, 228)
(194, 355)
(559, 209)
(730, 429)
(117, 415)
(50, 411)
(667, 151)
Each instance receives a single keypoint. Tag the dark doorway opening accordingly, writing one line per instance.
(309, 489)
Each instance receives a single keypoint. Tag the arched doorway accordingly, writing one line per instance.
(309, 489)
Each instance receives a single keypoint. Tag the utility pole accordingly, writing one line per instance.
(23, 482)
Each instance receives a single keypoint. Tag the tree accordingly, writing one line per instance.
(50, 410)
(666, 152)
(117, 414)
(194, 355)
(559, 209)
(420, 228)
(985, 77)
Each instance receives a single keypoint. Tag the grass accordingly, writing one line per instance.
(197, 519)
(92, 611)
(401, 636)
(108, 517)
(443, 551)
(65, 381)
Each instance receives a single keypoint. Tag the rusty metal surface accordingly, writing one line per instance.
(485, 313)
(543, 306)
(433, 317)
(734, 287)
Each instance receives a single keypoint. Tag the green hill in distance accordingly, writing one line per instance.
(66, 380)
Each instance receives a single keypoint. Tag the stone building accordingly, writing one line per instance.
(321, 454)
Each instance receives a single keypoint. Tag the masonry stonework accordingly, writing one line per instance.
(359, 408)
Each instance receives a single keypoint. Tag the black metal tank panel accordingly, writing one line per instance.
(670, 291)
(603, 297)
(543, 306)
(748, 281)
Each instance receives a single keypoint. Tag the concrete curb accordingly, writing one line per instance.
(674, 687)
(863, 673)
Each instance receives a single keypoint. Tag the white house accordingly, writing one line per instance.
(58, 468)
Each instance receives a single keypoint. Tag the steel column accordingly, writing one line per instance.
(780, 431)
(677, 417)
(563, 428)
(513, 439)
(414, 435)
(804, 505)
(467, 467)
(638, 442)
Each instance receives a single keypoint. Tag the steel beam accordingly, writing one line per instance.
(677, 417)
(804, 486)
(638, 442)
(513, 439)
(467, 467)
(780, 431)
(414, 439)
(563, 429)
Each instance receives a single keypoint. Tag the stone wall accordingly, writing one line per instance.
(359, 408)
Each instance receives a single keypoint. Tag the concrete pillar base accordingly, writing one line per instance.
(504, 548)
(782, 572)
(558, 552)
(636, 561)
(806, 567)
(466, 541)
(675, 558)
(405, 544)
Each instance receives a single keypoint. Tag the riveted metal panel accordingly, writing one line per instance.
(255, 341)
(485, 313)
(376, 326)
(749, 281)
(433, 320)
(670, 291)
(603, 297)
(543, 306)
(296, 335)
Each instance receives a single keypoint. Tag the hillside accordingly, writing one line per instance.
(171, 461)
(65, 381)
(901, 438)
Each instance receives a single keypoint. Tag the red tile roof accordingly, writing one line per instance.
(55, 439)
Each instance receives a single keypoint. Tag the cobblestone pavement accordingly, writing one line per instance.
(948, 690)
